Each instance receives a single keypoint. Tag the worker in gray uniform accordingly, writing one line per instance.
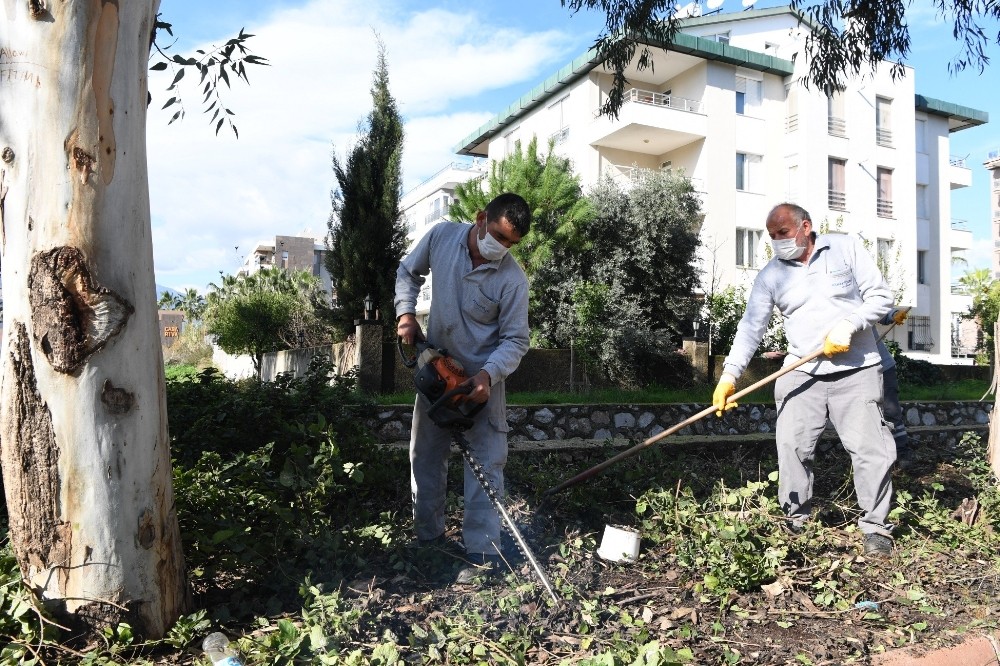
(829, 292)
(479, 314)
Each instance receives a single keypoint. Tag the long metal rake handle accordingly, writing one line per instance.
(627, 453)
(463, 446)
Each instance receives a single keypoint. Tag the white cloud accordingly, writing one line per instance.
(211, 194)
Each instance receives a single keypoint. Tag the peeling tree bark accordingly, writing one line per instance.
(83, 434)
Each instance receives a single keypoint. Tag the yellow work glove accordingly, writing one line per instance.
(839, 338)
(898, 315)
(725, 388)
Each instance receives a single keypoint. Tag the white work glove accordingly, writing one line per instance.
(839, 338)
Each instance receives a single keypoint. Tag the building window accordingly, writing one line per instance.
(747, 94)
(884, 204)
(747, 171)
(317, 262)
(792, 187)
(883, 121)
(921, 135)
(836, 118)
(510, 141)
(918, 333)
(884, 255)
(558, 112)
(837, 183)
(721, 37)
(284, 259)
(921, 266)
(747, 241)
(922, 202)
(791, 108)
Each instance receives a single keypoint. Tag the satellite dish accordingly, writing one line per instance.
(714, 4)
(688, 10)
(748, 3)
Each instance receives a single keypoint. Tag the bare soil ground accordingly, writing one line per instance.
(825, 604)
(926, 593)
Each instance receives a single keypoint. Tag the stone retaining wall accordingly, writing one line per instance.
(548, 423)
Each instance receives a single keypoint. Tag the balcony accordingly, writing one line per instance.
(883, 137)
(959, 173)
(792, 123)
(559, 137)
(836, 126)
(650, 123)
(836, 200)
(883, 207)
(961, 236)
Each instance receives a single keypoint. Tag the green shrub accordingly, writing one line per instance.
(209, 412)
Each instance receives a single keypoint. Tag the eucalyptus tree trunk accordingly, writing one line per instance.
(83, 430)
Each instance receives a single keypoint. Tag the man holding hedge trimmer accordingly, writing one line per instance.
(479, 313)
(830, 293)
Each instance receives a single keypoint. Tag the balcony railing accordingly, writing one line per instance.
(632, 174)
(960, 225)
(792, 123)
(661, 99)
(883, 207)
(883, 136)
(836, 126)
(559, 136)
(435, 215)
(956, 161)
(836, 200)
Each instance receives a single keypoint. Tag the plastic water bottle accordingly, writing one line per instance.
(217, 648)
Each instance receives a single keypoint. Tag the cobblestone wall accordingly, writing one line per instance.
(545, 423)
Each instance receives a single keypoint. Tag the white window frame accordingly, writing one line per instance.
(749, 92)
(747, 242)
(749, 169)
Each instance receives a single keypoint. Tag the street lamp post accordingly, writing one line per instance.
(369, 306)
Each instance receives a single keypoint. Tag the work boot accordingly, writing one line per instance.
(793, 527)
(906, 459)
(878, 545)
(480, 566)
(442, 544)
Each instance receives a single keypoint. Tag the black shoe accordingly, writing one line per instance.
(793, 527)
(878, 545)
(906, 459)
(441, 544)
(480, 566)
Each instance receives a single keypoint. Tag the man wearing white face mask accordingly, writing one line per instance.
(829, 292)
(479, 313)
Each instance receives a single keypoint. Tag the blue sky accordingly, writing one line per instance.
(452, 66)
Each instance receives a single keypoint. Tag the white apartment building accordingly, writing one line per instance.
(727, 107)
(429, 203)
(304, 252)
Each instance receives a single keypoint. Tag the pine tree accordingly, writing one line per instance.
(367, 233)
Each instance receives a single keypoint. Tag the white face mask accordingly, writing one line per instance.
(490, 248)
(787, 249)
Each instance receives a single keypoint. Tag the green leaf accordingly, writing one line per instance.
(222, 535)
(159, 66)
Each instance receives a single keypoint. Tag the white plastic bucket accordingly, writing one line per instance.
(619, 544)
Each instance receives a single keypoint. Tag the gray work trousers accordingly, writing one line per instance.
(893, 410)
(852, 401)
(430, 447)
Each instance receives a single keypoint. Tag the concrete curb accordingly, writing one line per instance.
(974, 650)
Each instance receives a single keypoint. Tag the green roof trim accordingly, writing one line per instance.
(964, 116)
(584, 63)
